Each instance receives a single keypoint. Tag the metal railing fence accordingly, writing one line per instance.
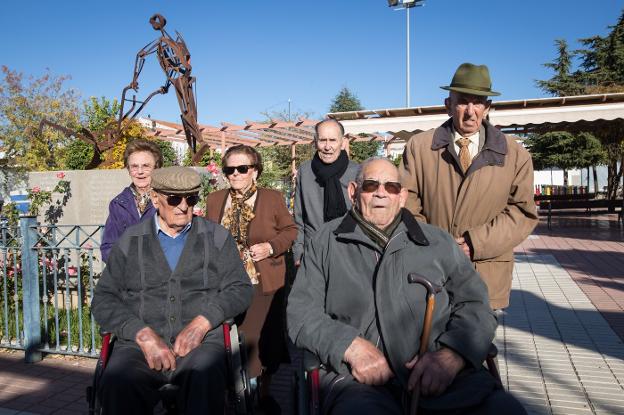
(49, 274)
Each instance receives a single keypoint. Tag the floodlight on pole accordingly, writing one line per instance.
(407, 5)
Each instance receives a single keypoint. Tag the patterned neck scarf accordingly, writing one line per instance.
(379, 236)
(236, 219)
(142, 200)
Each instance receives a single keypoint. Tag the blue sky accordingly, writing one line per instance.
(252, 56)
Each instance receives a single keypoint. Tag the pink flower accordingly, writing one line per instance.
(72, 271)
(36, 189)
(197, 211)
(60, 175)
(88, 245)
(212, 167)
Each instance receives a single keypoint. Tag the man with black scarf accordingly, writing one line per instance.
(321, 192)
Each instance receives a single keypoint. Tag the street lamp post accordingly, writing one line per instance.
(407, 5)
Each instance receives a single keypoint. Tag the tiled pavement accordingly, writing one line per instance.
(558, 354)
(560, 341)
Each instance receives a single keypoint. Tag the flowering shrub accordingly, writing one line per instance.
(41, 198)
(211, 180)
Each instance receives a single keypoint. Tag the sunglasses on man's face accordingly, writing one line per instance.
(369, 186)
(175, 200)
(242, 169)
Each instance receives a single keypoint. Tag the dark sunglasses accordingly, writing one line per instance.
(369, 186)
(175, 200)
(242, 169)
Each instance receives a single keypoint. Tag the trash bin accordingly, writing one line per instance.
(20, 198)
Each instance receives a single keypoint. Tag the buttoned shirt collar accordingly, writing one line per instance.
(473, 147)
(159, 229)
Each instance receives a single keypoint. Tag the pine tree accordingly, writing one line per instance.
(346, 101)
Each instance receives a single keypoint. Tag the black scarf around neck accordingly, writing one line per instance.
(328, 177)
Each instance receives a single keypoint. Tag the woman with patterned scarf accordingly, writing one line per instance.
(133, 204)
(264, 230)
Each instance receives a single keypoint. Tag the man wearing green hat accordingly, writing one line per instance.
(473, 181)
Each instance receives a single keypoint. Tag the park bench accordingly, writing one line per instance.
(585, 201)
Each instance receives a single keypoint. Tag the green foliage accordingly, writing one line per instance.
(600, 70)
(362, 150)
(564, 150)
(210, 156)
(344, 101)
(170, 158)
(24, 102)
(99, 114)
(78, 155)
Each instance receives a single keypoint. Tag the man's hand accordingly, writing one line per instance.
(158, 355)
(434, 372)
(368, 364)
(464, 246)
(297, 263)
(191, 336)
(260, 251)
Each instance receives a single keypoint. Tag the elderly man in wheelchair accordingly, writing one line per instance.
(169, 284)
(358, 301)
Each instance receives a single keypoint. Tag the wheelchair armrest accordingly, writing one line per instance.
(107, 340)
(310, 361)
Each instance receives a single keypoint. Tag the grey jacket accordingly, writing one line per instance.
(138, 289)
(346, 287)
(309, 198)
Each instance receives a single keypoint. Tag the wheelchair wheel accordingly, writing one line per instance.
(240, 398)
(95, 407)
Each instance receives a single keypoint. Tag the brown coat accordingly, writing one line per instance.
(492, 204)
(272, 223)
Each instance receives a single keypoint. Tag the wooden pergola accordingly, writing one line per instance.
(255, 134)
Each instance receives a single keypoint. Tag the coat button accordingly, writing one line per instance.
(172, 319)
(172, 298)
(172, 340)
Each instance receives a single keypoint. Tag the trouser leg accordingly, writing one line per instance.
(128, 385)
(343, 395)
(497, 402)
(201, 376)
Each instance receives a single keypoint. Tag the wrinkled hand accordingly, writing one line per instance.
(191, 336)
(368, 364)
(434, 371)
(464, 246)
(260, 251)
(297, 263)
(158, 355)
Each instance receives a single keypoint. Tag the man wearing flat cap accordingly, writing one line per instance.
(168, 285)
(473, 181)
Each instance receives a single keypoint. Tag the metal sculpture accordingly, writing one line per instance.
(175, 61)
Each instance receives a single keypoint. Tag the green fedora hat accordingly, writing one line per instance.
(472, 79)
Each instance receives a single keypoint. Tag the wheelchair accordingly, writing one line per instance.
(307, 378)
(239, 399)
(306, 381)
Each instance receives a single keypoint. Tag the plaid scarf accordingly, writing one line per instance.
(379, 236)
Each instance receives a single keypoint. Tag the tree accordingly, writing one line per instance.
(24, 102)
(170, 158)
(277, 159)
(601, 70)
(564, 82)
(346, 101)
(564, 150)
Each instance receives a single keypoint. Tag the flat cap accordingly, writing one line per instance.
(176, 180)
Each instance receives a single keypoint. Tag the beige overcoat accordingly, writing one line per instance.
(492, 204)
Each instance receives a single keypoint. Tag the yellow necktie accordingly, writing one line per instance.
(464, 154)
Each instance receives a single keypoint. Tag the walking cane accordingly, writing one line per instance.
(424, 338)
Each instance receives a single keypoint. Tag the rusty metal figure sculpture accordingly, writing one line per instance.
(175, 61)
